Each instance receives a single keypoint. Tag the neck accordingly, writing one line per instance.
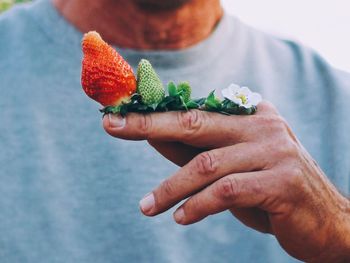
(131, 25)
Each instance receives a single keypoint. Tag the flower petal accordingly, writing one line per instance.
(230, 91)
(234, 88)
(236, 100)
(247, 105)
(226, 93)
(255, 98)
(242, 96)
(245, 91)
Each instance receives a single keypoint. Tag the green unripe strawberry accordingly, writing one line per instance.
(149, 86)
(184, 89)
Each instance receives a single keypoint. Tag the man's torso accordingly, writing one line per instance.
(70, 192)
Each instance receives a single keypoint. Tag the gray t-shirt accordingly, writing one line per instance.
(70, 193)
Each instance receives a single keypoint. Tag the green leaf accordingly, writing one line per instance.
(200, 101)
(172, 89)
(211, 96)
(136, 97)
(230, 107)
(176, 102)
(138, 107)
(153, 106)
(183, 104)
(212, 103)
(192, 104)
(124, 110)
(110, 109)
(163, 105)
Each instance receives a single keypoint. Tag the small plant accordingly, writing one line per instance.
(108, 79)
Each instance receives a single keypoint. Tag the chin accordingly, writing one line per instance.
(160, 4)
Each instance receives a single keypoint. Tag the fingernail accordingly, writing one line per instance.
(116, 121)
(179, 215)
(147, 203)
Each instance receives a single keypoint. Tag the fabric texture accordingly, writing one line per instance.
(70, 193)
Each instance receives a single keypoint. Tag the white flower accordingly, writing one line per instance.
(242, 96)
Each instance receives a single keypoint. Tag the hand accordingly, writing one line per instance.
(253, 166)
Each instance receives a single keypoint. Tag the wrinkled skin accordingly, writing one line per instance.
(253, 166)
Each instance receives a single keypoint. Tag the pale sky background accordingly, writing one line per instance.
(321, 24)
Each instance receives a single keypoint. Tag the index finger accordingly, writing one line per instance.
(197, 128)
(194, 127)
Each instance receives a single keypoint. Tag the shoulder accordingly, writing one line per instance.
(342, 93)
(279, 58)
(16, 27)
(344, 77)
(15, 21)
(285, 51)
(287, 59)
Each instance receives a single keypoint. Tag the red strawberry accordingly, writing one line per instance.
(106, 77)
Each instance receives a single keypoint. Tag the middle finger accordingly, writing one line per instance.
(203, 170)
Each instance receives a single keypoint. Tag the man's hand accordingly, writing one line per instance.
(253, 166)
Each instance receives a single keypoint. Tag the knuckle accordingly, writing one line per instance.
(279, 140)
(285, 147)
(190, 121)
(167, 188)
(256, 187)
(282, 146)
(228, 188)
(271, 125)
(279, 150)
(144, 124)
(206, 163)
(291, 149)
(193, 206)
(268, 106)
(292, 184)
(276, 124)
(292, 176)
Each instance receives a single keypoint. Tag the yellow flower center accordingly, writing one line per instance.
(242, 97)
